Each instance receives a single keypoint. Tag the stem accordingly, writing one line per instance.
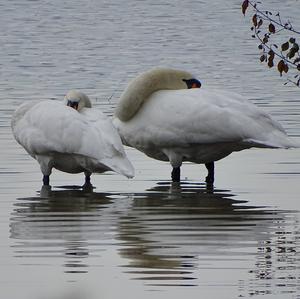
(280, 55)
(272, 20)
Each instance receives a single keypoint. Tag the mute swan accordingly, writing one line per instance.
(163, 115)
(71, 140)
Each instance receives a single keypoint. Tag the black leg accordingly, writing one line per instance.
(175, 174)
(46, 180)
(87, 184)
(87, 179)
(211, 172)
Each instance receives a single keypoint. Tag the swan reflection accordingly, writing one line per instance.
(179, 234)
(61, 223)
(185, 234)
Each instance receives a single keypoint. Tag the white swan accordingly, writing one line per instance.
(161, 115)
(75, 140)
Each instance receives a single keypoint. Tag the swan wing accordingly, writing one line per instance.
(199, 116)
(112, 153)
(49, 126)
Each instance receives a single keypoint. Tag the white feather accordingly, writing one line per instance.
(59, 136)
(198, 125)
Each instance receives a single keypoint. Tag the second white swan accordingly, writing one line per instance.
(75, 140)
(163, 114)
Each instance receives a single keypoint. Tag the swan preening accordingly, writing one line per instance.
(163, 116)
(75, 140)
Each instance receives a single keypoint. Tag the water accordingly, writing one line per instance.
(145, 236)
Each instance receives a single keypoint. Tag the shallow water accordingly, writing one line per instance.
(145, 236)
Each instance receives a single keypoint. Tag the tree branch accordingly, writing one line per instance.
(279, 23)
(264, 28)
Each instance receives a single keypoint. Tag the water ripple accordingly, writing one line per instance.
(169, 235)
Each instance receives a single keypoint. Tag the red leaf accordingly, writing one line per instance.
(245, 6)
(265, 40)
(270, 63)
(254, 20)
(271, 53)
(296, 47)
(292, 40)
(259, 23)
(291, 53)
(272, 28)
(271, 60)
(280, 66)
(262, 58)
(285, 46)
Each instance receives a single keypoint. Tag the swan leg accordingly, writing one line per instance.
(211, 172)
(87, 179)
(87, 183)
(46, 167)
(175, 174)
(46, 180)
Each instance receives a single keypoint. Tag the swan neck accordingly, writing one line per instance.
(143, 86)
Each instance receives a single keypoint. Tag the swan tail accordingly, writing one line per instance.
(120, 165)
(285, 143)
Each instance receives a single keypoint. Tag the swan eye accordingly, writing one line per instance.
(192, 83)
(73, 104)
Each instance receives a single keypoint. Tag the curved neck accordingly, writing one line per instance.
(140, 89)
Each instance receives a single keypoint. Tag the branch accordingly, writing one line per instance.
(287, 26)
(264, 28)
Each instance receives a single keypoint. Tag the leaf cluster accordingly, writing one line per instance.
(284, 55)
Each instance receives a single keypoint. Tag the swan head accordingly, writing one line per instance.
(141, 88)
(77, 100)
(192, 83)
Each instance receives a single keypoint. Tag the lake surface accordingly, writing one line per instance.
(145, 237)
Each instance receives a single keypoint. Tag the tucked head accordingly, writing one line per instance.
(166, 78)
(192, 83)
(77, 100)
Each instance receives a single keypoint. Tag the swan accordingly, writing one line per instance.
(166, 115)
(70, 136)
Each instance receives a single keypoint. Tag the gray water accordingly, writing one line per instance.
(146, 236)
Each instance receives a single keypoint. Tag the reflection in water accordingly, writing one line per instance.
(60, 223)
(170, 235)
(187, 235)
